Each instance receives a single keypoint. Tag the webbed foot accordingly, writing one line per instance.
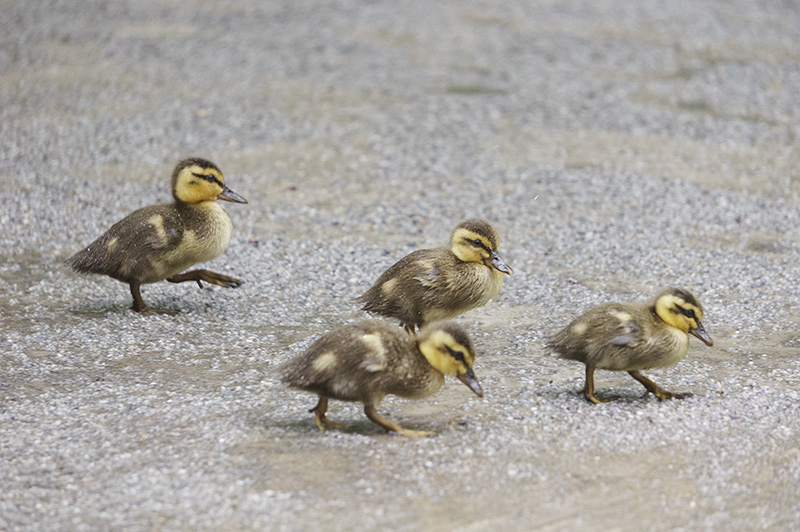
(207, 276)
(656, 390)
(146, 310)
(409, 433)
(319, 416)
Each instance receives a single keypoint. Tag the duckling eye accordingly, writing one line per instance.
(689, 313)
(478, 244)
(458, 355)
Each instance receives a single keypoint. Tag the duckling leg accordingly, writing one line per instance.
(139, 304)
(369, 410)
(659, 392)
(319, 413)
(588, 387)
(412, 328)
(207, 276)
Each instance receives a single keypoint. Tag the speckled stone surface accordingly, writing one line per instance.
(617, 147)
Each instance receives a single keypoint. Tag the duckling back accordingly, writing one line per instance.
(363, 361)
(431, 285)
(409, 287)
(156, 242)
(621, 337)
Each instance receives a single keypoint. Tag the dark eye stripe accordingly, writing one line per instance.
(477, 243)
(455, 354)
(210, 178)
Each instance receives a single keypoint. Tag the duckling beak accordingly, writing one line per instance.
(700, 332)
(496, 262)
(471, 381)
(229, 195)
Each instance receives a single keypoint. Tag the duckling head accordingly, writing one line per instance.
(474, 240)
(195, 180)
(680, 309)
(448, 348)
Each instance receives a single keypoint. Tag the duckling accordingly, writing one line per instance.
(368, 359)
(632, 337)
(436, 284)
(160, 241)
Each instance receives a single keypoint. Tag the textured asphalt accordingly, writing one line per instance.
(617, 147)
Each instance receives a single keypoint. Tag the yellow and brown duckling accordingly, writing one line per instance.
(437, 284)
(159, 242)
(633, 337)
(367, 360)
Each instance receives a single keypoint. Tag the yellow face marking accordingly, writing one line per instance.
(463, 245)
(435, 350)
(190, 188)
(111, 245)
(325, 361)
(671, 309)
(157, 222)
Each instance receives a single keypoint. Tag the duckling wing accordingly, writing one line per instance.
(628, 333)
(399, 289)
(128, 249)
(450, 286)
(348, 363)
(606, 336)
(363, 361)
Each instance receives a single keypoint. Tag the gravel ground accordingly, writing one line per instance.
(618, 147)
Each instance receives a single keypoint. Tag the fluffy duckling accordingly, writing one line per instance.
(632, 337)
(159, 242)
(436, 284)
(366, 360)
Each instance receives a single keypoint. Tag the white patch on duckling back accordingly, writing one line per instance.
(622, 316)
(428, 274)
(157, 223)
(388, 287)
(111, 245)
(580, 328)
(377, 358)
(325, 361)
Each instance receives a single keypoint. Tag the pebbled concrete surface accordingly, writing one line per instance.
(617, 147)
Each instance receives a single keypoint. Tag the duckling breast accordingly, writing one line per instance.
(493, 283)
(671, 348)
(658, 348)
(476, 284)
(465, 287)
(206, 235)
(414, 378)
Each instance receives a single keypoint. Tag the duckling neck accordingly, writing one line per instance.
(210, 225)
(429, 378)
